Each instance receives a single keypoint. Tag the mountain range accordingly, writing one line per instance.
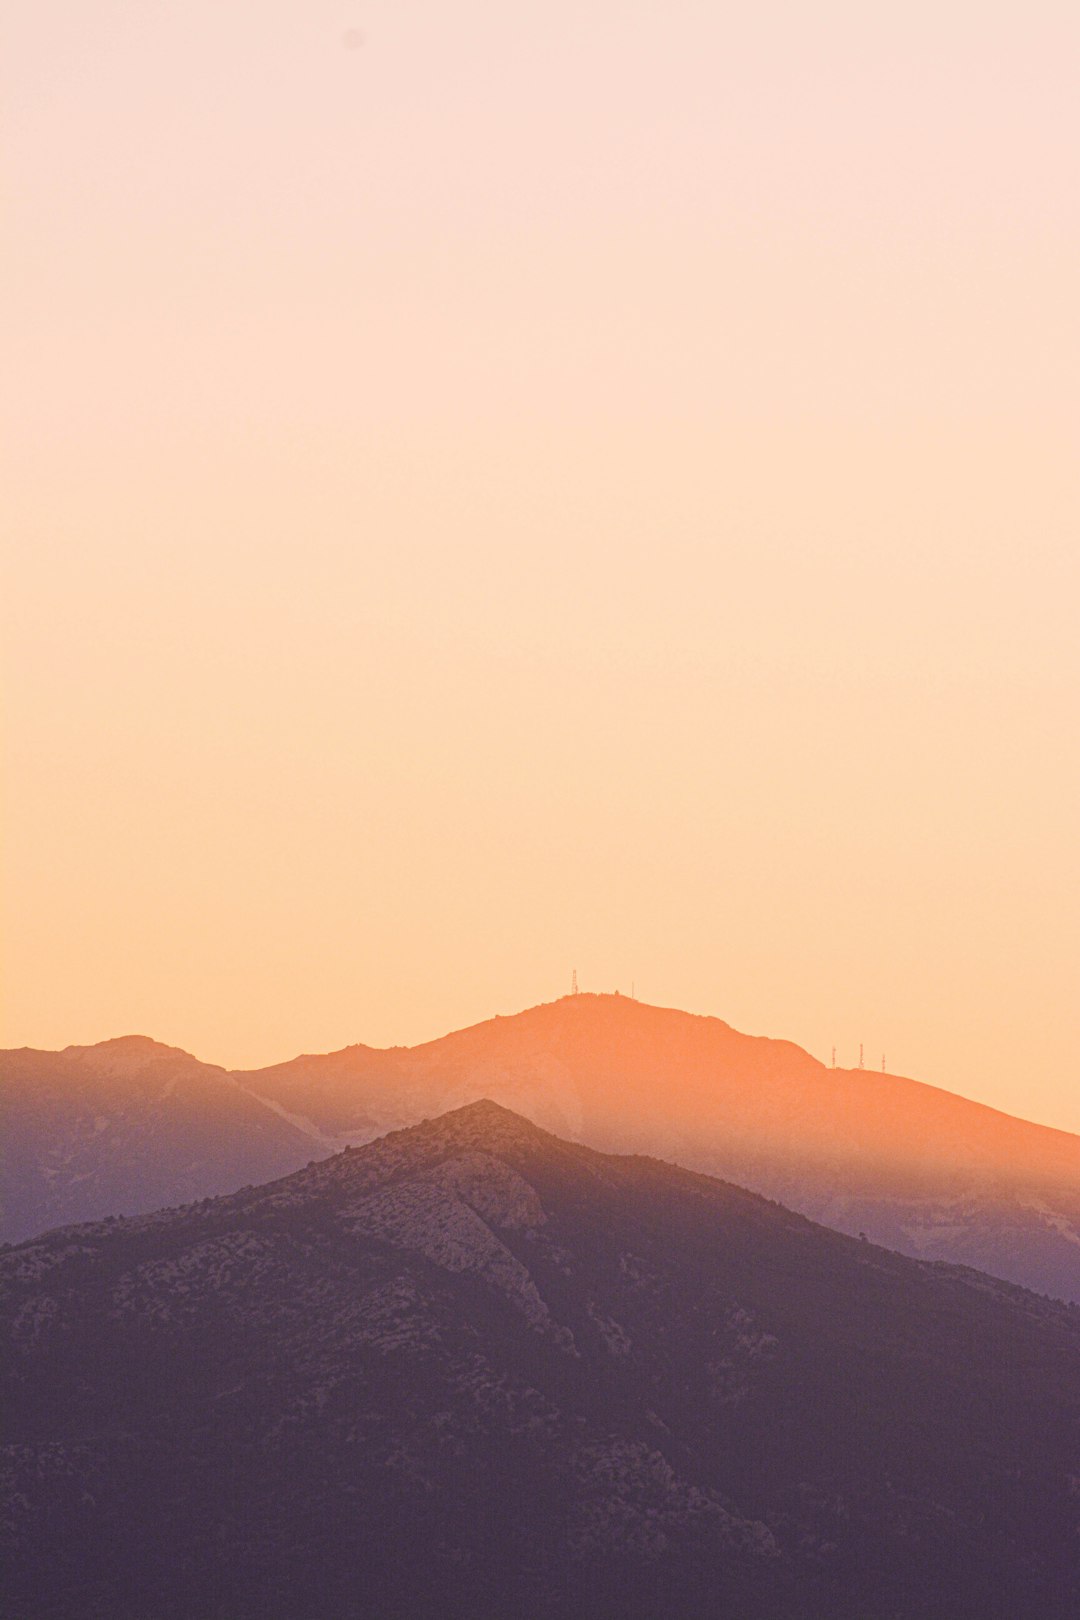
(129, 1125)
(473, 1370)
(124, 1127)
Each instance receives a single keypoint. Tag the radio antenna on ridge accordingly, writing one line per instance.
(862, 1065)
(834, 1057)
(573, 984)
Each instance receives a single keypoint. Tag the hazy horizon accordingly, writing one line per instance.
(845, 1060)
(544, 489)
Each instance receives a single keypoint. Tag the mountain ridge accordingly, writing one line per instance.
(871, 1076)
(352, 1048)
(916, 1167)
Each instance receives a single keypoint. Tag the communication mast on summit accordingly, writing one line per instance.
(573, 984)
(862, 1065)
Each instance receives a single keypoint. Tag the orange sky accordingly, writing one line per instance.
(552, 486)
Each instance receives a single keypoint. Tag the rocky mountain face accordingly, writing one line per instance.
(473, 1370)
(913, 1167)
(125, 1127)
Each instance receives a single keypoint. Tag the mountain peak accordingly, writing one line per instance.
(484, 1108)
(135, 1055)
(133, 1044)
(483, 1124)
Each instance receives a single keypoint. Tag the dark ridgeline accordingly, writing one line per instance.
(472, 1370)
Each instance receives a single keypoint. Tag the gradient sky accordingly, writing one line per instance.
(544, 486)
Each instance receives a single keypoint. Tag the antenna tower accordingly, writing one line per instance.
(573, 984)
(862, 1065)
(834, 1057)
(883, 1063)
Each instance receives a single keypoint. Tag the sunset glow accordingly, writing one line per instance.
(522, 488)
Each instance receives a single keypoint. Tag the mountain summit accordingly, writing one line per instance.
(914, 1167)
(472, 1369)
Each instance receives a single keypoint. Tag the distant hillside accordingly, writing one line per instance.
(914, 1167)
(125, 1127)
(471, 1370)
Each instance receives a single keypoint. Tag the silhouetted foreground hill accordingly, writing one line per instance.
(473, 1370)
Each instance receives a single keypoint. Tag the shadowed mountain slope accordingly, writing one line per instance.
(473, 1370)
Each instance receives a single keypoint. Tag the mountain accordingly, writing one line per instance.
(125, 1127)
(914, 1167)
(472, 1370)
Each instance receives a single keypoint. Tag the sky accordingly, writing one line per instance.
(493, 490)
